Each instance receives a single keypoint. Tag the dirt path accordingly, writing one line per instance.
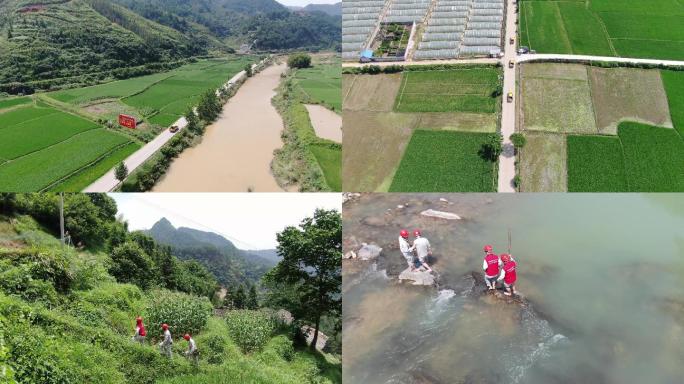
(507, 158)
(236, 151)
(326, 123)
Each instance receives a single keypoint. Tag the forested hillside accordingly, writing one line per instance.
(45, 44)
(230, 265)
(68, 312)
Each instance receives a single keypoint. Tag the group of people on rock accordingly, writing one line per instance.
(496, 267)
(166, 345)
(416, 255)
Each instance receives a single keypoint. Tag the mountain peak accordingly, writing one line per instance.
(162, 224)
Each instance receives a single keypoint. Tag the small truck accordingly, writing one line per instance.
(509, 97)
(173, 129)
(511, 64)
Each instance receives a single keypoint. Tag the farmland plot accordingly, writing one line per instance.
(14, 101)
(444, 161)
(457, 90)
(371, 92)
(58, 161)
(543, 163)
(322, 84)
(674, 87)
(626, 28)
(595, 164)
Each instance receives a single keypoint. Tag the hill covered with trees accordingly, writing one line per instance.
(230, 265)
(49, 43)
(67, 311)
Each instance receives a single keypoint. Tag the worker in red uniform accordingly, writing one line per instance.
(491, 266)
(140, 332)
(508, 274)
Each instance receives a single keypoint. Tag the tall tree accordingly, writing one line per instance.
(252, 298)
(308, 279)
(209, 106)
(240, 298)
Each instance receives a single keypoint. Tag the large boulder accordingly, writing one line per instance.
(368, 252)
(417, 277)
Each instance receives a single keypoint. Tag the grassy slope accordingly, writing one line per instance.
(444, 161)
(86, 337)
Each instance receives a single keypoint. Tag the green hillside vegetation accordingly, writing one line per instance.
(67, 314)
(306, 160)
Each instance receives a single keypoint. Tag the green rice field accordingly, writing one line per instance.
(626, 28)
(322, 83)
(14, 101)
(444, 161)
(161, 98)
(674, 87)
(39, 170)
(454, 90)
(641, 158)
(330, 160)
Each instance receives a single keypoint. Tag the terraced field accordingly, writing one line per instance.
(627, 28)
(160, 98)
(382, 112)
(621, 133)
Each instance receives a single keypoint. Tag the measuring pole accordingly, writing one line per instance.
(509, 241)
(61, 216)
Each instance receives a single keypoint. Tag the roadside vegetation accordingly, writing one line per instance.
(307, 161)
(67, 313)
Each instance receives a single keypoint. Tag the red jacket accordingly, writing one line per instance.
(510, 276)
(492, 261)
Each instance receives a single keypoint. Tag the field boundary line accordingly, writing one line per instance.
(91, 164)
(527, 28)
(349, 90)
(401, 94)
(591, 98)
(624, 160)
(562, 25)
(605, 30)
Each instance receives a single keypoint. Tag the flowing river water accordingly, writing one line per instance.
(601, 279)
(236, 151)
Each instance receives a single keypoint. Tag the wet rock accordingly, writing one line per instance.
(348, 197)
(440, 214)
(369, 252)
(350, 255)
(418, 277)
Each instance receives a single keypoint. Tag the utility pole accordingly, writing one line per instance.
(61, 216)
(509, 241)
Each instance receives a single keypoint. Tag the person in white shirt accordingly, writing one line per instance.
(406, 249)
(422, 247)
(167, 343)
(192, 353)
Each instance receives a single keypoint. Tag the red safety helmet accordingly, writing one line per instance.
(404, 233)
(416, 232)
(165, 326)
(186, 336)
(505, 257)
(488, 248)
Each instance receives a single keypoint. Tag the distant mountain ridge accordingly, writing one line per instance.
(222, 258)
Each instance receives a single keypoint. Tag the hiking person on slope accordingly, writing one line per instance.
(491, 266)
(140, 332)
(508, 274)
(422, 247)
(167, 343)
(406, 249)
(192, 353)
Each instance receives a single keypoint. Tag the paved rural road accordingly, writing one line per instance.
(482, 60)
(581, 58)
(108, 182)
(507, 157)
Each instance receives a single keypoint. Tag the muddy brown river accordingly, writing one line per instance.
(236, 151)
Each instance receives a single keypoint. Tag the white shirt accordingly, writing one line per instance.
(192, 347)
(167, 338)
(404, 246)
(422, 247)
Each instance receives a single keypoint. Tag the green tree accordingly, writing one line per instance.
(8, 203)
(299, 60)
(518, 140)
(309, 277)
(248, 70)
(130, 264)
(194, 125)
(252, 298)
(121, 172)
(209, 106)
(491, 149)
(239, 298)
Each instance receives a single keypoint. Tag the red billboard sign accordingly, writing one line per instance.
(127, 121)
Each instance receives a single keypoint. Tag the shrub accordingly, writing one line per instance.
(282, 346)
(300, 60)
(250, 329)
(518, 140)
(182, 312)
(215, 348)
(130, 264)
(492, 148)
